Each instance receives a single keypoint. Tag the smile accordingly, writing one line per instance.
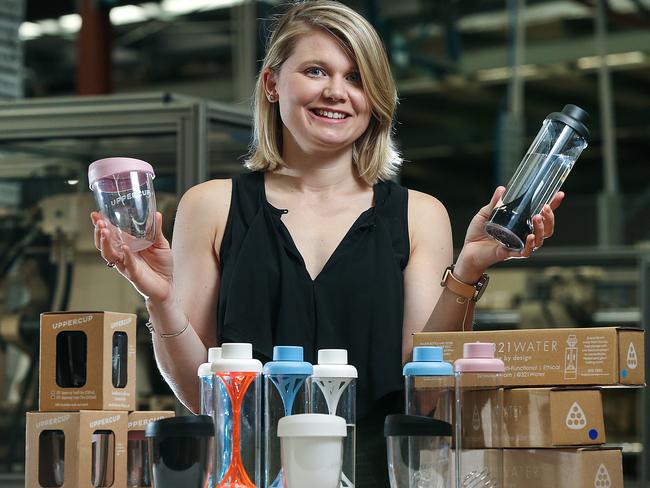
(330, 114)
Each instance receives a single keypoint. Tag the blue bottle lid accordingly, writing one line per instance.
(428, 361)
(288, 360)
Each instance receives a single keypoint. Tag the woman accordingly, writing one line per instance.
(315, 247)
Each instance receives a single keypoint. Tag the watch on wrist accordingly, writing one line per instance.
(471, 292)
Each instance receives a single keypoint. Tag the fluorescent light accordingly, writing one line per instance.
(70, 23)
(29, 30)
(618, 59)
(179, 7)
(72, 182)
(128, 14)
(506, 72)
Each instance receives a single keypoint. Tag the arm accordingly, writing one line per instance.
(428, 306)
(198, 229)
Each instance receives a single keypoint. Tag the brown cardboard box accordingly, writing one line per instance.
(68, 380)
(550, 417)
(554, 357)
(65, 449)
(138, 471)
(563, 468)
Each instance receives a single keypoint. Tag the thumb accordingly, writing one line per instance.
(486, 211)
(160, 242)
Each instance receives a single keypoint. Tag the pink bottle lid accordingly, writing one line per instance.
(478, 357)
(111, 166)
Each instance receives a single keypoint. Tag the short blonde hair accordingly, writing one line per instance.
(374, 153)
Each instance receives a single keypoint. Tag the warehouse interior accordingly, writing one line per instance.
(475, 78)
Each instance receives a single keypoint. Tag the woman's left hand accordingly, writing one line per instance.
(480, 251)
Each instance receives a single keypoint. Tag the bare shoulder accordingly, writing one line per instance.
(203, 209)
(427, 217)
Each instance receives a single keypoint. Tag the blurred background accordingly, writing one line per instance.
(170, 82)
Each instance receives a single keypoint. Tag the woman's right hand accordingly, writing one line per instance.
(149, 270)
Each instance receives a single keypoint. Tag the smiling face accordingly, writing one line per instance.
(320, 93)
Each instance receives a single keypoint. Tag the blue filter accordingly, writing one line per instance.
(285, 393)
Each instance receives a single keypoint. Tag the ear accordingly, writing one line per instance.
(270, 84)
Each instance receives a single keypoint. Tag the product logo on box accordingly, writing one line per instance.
(52, 421)
(632, 359)
(72, 322)
(602, 478)
(576, 418)
(144, 422)
(121, 323)
(571, 358)
(106, 421)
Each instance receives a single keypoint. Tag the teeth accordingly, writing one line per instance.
(330, 115)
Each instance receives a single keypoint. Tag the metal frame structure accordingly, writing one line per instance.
(139, 114)
(638, 259)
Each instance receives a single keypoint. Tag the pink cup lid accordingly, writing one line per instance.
(111, 166)
(478, 357)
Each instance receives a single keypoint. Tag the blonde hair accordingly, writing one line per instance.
(374, 153)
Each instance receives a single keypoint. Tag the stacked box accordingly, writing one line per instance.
(80, 436)
(553, 411)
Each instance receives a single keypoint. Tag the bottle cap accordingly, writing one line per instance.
(574, 117)
(478, 357)
(428, 361)
(236, 357)
(288, 360)
(333, 363)
(111, 166)
(214, 353)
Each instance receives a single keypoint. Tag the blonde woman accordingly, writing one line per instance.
(315, 246)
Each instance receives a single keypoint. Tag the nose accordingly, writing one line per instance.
(335, 89)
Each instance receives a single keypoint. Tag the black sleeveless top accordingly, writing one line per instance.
(268, 298)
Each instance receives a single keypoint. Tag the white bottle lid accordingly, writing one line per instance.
(236, 357)
(333, 363)
(205, 369)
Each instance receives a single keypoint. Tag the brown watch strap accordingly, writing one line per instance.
(456, 286)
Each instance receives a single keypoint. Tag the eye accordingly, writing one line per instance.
(315, 72)
(354, 77)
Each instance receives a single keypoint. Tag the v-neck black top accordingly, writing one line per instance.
(268, 298)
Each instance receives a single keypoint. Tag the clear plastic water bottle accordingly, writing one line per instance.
(429, 385)
(206, 406)
(540, 175)
(285, 393)
(237, 398)
(479, 417)
(333, 391)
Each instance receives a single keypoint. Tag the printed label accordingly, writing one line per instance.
(72, 322)
(632, 359)
(476, 419)
(121, 323)
(106, 421)
(576, 418)
(571, 358)
(130, 196)
(602, 478)
(52, 421)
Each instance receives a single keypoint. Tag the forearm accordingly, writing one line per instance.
(451, 313)
(179, 357)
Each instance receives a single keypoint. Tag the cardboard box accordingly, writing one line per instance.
(554, 357)
(138, 470)
(87, 361)
(75, 449)
(551, 417)
(563, 468)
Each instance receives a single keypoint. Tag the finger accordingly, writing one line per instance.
(538, 231)
(109, 248)
(160, 241)
(486, 211)
(549, 221)
(557, 200)
(126, 264)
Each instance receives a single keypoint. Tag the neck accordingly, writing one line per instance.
(318, 170)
